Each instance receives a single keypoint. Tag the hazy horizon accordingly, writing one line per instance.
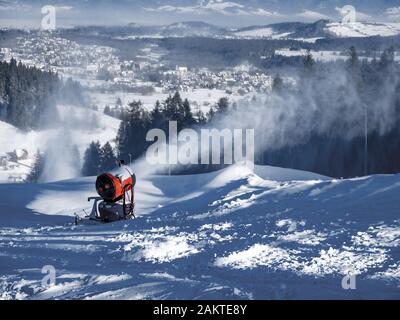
(27, 14)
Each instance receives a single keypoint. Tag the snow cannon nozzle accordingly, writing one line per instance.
(112, 187)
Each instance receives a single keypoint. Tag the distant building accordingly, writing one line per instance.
(18, 154)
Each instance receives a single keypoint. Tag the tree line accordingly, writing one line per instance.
(29, 96)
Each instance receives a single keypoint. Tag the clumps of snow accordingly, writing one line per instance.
(259, 255)
(307, 237)
(335, 261)
(331, 261)
(378, 236)
(212, 233)
(291, 224)
(165, 244)
(163, 229)
(124, 237)
(218, 226)
(165, 250)
(392, 273)
(11, 290)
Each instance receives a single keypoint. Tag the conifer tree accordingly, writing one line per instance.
(107, 159)
(187, 117)
(37, 169)
(92, 160)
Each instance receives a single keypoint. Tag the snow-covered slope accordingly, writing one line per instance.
(310, 32)
(363, 29)
(272, 233)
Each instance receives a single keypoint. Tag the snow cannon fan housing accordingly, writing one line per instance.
(112, 188)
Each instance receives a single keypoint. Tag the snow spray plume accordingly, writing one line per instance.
(62, 156)
(330, 105)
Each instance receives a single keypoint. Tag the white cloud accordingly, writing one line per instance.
(227, 8)
(13, 6)
(393, 13)
(64, 8)
(312, 15)
(262, 12)
(172, 9)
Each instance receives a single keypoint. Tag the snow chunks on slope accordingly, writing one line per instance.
(335, 261)
(392, 273)
(259, 255)
(308, 237)
(167, 249)
(331, 261)
(166, 244)
(378, 236)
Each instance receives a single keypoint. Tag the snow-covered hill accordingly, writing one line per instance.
(301, 31)
(320, 29)
(362, 29)
(272, 233)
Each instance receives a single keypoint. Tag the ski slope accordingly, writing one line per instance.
(234, 234)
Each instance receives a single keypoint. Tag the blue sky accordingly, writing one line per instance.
(19, 13)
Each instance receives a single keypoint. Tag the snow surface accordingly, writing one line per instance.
(336, 29)
(363, 29)
(256, 33)
(200, 99)
(322, 55)
(269, 234)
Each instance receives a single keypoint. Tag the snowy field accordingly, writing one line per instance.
(233, 234)
(322, 55)
(202, 99)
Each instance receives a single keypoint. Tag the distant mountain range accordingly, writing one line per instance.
(285, 30)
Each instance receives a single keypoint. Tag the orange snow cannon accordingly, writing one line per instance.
(112, 188)
(116, 196)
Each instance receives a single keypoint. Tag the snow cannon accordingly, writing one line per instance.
(116, 196)
(112, 188)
